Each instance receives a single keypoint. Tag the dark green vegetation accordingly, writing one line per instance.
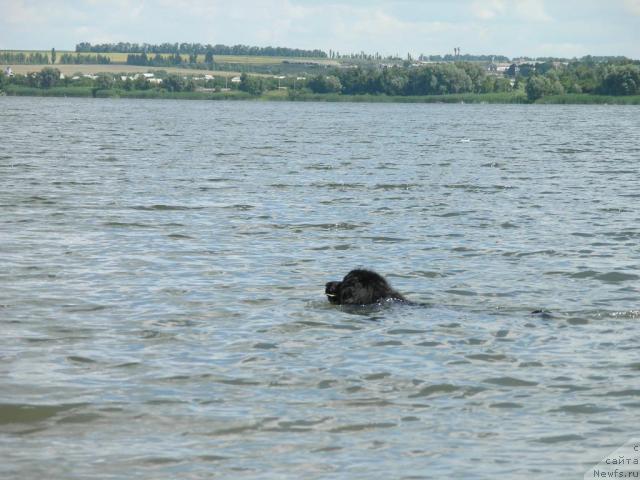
(535, 80)
(23, 58)
(588, 80)
(198, 49)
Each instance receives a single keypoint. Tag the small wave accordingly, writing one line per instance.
(510, 382)
(27, 413)
(560, 439)
(583, 408)
(454, 214)
(127, 225)
(396, 186)
(436, 389)
(631, 314)
(80, 359)
(629, 392)
(164, 207)
(321, 226)
(617, 277)
(339, 186)
(487, 357)
(80, 418)
(506, 405)
(386, 239)
(358, 427)
(609, 277)
(240, 206)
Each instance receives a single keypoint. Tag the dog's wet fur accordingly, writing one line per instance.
(361, 287)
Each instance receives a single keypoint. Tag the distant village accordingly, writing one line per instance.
(511, 68)
(198, 68)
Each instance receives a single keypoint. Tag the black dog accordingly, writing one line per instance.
(361, 287)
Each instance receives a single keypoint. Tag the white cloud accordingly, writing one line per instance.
(19, 12)
(532, 10)
(488, 9)
(567, 50)
(524, 10)
(510, 27)
(632, 6)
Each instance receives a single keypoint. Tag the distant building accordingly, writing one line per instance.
(497, 68)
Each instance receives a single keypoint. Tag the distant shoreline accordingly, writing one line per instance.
(282, 95)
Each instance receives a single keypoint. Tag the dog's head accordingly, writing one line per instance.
(360, 287)
(332, 291)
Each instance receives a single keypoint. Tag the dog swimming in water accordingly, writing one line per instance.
(361, 287)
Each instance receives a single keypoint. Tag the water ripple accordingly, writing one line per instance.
(165, 285)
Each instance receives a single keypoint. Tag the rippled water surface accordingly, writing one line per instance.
(162, 266)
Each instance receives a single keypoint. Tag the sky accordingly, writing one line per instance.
(533, 28)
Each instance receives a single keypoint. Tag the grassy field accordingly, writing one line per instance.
(516, 97)
(305, 96)
(115, 69)
(272, 95)
(117, 57)
(268, 60)
(20, 90)
(588, 99)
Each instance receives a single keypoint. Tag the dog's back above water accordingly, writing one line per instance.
(361, 287)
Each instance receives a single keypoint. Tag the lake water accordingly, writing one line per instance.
(162, 269)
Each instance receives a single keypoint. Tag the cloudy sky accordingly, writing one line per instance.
(533, 28)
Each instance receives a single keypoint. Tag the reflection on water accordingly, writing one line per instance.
(162, 268)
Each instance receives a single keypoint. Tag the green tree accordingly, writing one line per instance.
(208, 56)
(538, 86)
(53, 56)
(251, 84)
(325, 84)
(475, 73)
(622, 80)
(502, 85)
(173, 83)
(141, 83)
(103, 82)
(48, 77)
(394, 81)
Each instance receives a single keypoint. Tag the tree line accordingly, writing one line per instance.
(40, 58)
(536, 80)
(50, 77)
(197, 49)
(157, 60)
(613, 77)
(77, 59)
(432, 79)
(533, 80)
(21, 58)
